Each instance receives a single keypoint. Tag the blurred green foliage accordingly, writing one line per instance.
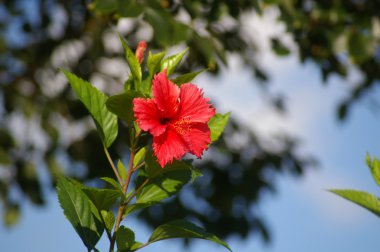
(44, 130)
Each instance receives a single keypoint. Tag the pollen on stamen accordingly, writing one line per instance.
(182, 126)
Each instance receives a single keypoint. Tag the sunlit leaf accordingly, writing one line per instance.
(364, 199)
(188, 77)
(140, 156)
(163, 183)
(217, 125)
(122, 170)
(80, 211)
(374, 166)
(94, 101)
(108, 218)
(171, 62)
(154, 62)
(133, 64)
(183, 229)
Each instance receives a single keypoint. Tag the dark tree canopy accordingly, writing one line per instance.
(43, 125)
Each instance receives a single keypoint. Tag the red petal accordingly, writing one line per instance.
(165, 94)
(169, 146)
(193, 106)
(147, 116)
(197, 138)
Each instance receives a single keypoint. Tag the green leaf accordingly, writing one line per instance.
(217, 125)
(140, 156)
(171, 62)
(154, 62)
(80, 211)
(135, 246)
(94, 101)
(163, 183)
(374, 166)
(128, 84)
(122, 170)
(133, 64)
(137, 206)
(186, 78)
(103, 199)
(163, 187)
(195, 173)
(112, 182)
(125, 238)
(183, 229)
(108, 219)
(364, 199)
(117, 186)
(122, 105)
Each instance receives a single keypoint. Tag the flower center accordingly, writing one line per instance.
(164, 120)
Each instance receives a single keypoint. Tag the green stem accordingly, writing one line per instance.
(125, 189)
(139, 166)
(136, 192)
(113, 166)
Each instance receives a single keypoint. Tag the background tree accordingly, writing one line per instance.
(44, 126)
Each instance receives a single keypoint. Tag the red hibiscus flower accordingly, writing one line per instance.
(177, 118)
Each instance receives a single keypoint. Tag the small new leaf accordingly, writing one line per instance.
(94, 101)
(186, 78)
(374, 166)
(116, 186)
(140, 156)
(133, 64)
(184, 229)
(171, 62)
(154, 62)
(364, 199)
(122, 170)
(217, 125)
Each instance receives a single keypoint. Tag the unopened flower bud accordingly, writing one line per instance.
(140, 50)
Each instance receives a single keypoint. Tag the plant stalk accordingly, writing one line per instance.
(113, 166)
(125, 189)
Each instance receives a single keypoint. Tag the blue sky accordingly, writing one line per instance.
(302, 216)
